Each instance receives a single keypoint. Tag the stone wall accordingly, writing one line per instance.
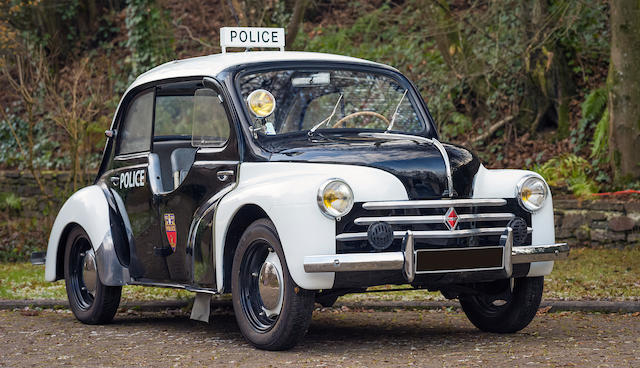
(598, 222)
(23, 185)
(588, 222)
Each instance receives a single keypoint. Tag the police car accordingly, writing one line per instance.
(289, 178)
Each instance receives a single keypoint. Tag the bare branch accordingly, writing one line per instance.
(492, 129)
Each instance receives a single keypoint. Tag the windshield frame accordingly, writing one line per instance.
(418, 104)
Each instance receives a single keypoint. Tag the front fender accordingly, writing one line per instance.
(287, 193)
(89, 209)
(502, 184)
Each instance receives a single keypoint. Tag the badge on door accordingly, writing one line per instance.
(170, 230)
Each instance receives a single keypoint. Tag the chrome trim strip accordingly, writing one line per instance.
(191, 288)
(213, 164)
(537, 253)
(435, 234)
(447, 165)
(206, 150)
(354, 262)
(437, 203)
(436, 219)
(130, 156)
(409, 137)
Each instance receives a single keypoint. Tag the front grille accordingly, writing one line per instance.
(480, 223)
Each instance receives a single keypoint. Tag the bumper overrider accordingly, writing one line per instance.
(412, 261)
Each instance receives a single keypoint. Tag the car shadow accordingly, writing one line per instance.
(336, 331)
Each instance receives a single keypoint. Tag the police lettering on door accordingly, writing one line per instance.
(132, 179)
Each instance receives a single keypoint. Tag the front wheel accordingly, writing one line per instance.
(90, 300)
(273, 313)
(505, 316)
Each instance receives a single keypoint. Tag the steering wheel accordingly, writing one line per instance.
(360, 113)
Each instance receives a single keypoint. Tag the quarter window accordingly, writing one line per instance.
(135, 136)
(210, 123)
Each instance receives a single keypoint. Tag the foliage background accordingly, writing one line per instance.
(523, 82)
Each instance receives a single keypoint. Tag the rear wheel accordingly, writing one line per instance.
(273, 313)
(505, 316)
(91, 301)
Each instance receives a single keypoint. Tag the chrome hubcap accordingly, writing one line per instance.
(90, 272)
(270, 285)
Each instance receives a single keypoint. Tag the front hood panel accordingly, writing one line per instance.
(419, 166)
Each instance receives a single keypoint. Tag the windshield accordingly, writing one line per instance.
(323, 102)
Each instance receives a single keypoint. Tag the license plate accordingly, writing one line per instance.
(459, 259)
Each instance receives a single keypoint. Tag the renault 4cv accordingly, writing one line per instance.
(289, 178)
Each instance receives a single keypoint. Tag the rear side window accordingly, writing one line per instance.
(135, 136)
(174, 115)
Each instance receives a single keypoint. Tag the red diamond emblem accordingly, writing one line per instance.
(451, 218)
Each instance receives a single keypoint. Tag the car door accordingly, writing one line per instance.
(128, 180)
(195, 142)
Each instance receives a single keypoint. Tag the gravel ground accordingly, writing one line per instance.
(337, 337)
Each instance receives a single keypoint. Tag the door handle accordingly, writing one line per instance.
(115, 181)
(223, 175)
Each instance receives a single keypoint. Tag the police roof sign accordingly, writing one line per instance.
(248, 37)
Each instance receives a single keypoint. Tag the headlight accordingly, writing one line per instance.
(531, 192)
(335, 198)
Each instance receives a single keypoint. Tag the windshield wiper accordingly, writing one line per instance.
(395, 113)
(327, 120)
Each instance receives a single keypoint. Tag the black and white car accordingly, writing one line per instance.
(289, 178)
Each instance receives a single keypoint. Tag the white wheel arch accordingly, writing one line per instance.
(88, 208)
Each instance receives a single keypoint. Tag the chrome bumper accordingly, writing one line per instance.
(405, 260)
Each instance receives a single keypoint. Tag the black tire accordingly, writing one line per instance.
(285, 329)
(511, 317)
(96, 306)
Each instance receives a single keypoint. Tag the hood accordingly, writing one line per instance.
(418, 165)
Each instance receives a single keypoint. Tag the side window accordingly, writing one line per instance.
(173, 117)
(210, 123)
(135, 136)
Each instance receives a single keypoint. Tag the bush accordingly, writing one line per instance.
(569, 173)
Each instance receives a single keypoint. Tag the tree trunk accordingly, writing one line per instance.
(549, 86)
(294, 24)
(624, 90)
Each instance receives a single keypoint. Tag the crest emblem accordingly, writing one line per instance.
(451, 218)
(170, 230)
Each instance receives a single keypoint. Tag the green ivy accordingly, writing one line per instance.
(149, 36)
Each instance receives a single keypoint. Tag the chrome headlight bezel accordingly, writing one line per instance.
(332, 212)
(529, 181)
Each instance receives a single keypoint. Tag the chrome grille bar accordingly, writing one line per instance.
(436, 219)
(435, 234)
(438, 203)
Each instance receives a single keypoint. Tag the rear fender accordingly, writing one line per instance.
(90, 209)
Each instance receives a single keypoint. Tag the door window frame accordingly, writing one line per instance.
(122, 125)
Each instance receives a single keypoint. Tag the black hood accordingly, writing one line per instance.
(418, 165)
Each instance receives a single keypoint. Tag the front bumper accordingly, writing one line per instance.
(406, 260)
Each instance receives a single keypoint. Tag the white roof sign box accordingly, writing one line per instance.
(248, 37)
